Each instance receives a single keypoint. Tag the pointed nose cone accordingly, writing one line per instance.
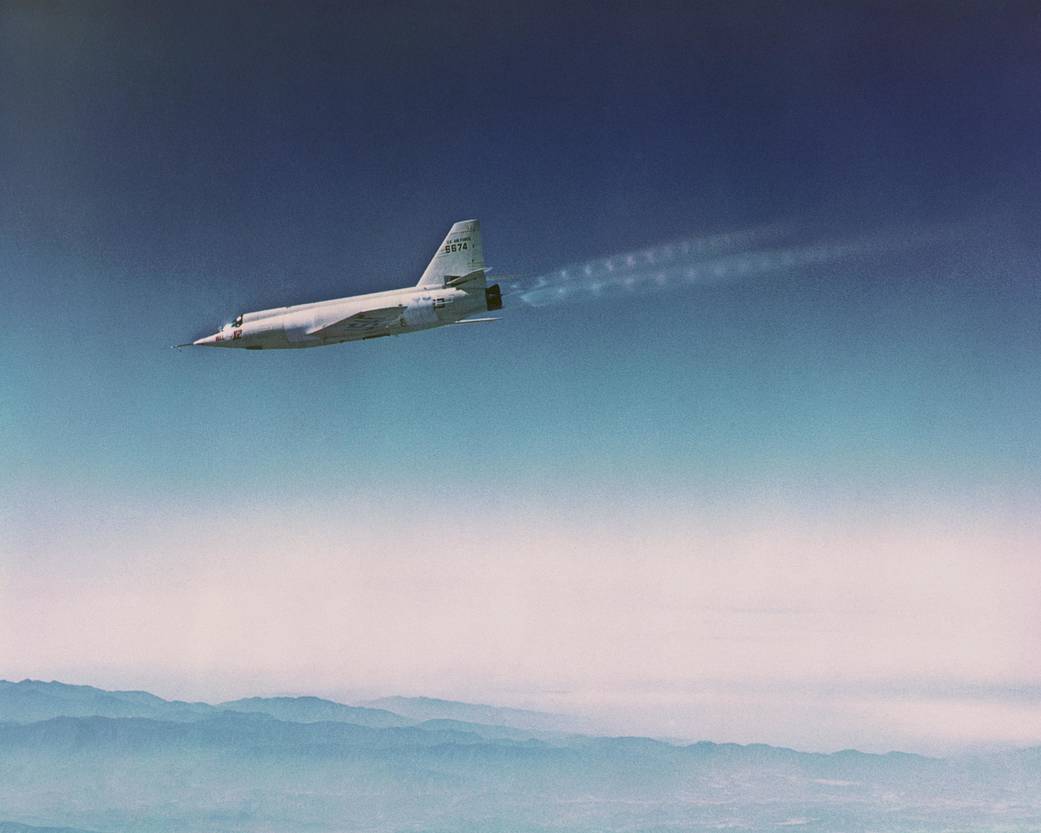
(206, 341)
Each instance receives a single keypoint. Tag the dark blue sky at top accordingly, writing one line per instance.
(202, 137)
(164, 166)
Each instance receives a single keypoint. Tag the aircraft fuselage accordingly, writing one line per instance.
(451, 288)
(420, 308)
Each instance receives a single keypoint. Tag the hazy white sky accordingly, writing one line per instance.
(912, 631)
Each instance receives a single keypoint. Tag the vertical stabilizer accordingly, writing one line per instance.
(460, 254)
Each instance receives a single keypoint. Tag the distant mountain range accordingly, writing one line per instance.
(33, 700)
(80, 758)
(429, 708)
(315, 709)
(14, 827)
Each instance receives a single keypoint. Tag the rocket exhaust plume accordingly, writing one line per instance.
(720, 258)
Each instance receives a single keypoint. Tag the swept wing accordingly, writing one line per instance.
(370, 319)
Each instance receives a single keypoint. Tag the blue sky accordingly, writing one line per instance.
(162, 171)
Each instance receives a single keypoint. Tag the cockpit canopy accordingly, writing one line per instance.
(238, 321)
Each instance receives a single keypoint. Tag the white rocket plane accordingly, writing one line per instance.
(451, 289)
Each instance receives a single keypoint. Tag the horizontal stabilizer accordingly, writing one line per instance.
(474, 321)
(478, 275)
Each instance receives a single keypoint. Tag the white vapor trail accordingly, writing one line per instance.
(696, 261)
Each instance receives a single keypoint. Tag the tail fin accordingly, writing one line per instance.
(460, 254)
